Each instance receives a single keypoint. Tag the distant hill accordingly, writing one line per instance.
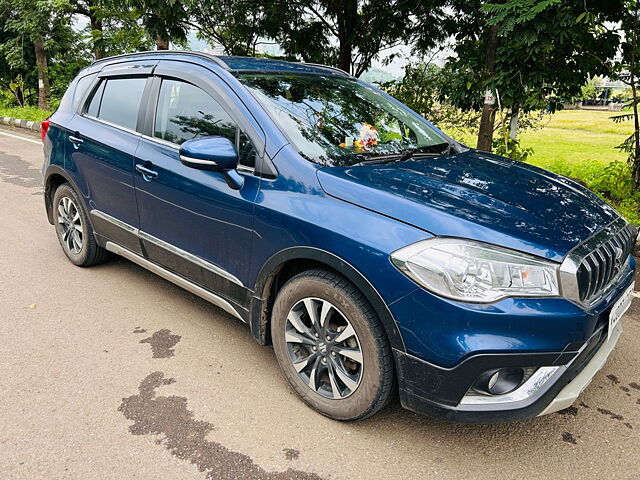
(377, 75)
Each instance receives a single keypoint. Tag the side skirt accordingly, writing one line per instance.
(173, 278)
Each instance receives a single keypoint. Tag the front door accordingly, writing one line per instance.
(191, 221)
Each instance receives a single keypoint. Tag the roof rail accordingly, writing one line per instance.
(204, 55)
(207, 56)
(328, 67)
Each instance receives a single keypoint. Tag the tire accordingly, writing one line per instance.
(74, 230)
(369, 380)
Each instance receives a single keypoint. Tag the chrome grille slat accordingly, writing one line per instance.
(598, 268)
(610, 252)
(602, 269)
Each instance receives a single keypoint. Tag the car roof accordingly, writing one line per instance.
(232, 63)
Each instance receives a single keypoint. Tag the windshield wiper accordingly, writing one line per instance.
(406, 154)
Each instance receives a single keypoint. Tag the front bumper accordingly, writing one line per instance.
(443, 392)
(418, 382)
(574, 388)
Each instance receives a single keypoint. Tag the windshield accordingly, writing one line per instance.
(340, 122)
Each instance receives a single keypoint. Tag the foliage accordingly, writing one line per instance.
(18, 76)
(627, 69)
(115, 26)
(544, 55)
(24, 113)
(352, 33)
(163, 20)
(589, 90)
(237, 26)
(612, 181)
(420, 89)
(512, 149)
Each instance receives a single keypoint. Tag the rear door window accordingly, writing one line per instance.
(117, 101)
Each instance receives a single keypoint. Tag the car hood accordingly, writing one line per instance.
(477, 196)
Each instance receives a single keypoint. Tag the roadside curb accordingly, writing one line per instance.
(16, 122)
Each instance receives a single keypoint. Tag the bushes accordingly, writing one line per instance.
(612, 182)
(24, 113)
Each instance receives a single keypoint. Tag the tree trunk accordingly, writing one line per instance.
(515, 123)
(485, 135)
(162, 43)
(347, 19)
(19, 94)
(43, 75)
(96, 26)
(636, 134)
(344, 56)
(635, 154)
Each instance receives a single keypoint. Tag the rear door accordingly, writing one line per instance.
(191, 221)
(103, 139)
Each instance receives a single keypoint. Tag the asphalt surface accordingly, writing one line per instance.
(111, 372)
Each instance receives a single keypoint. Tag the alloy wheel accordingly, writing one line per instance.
(324, 348)
(70, 225)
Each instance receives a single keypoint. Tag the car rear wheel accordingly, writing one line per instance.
(331, 346)
(74, 229)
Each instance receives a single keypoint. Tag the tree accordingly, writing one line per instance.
(589, 91)
(115, 26)
(40, 23)
(164, 20)
(627, 69)
(17, 66)
(236, 25)
(350, 34)
(529, 54)
(92, 9)
(420, 89)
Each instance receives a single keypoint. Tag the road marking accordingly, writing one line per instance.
(21, 138)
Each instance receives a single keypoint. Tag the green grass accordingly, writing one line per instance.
(24, 113)
(575, 137)
(571, 137)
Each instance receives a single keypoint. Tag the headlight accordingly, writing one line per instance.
(476, 272)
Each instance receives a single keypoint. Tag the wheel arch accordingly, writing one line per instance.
(289, 262)
(54, 177)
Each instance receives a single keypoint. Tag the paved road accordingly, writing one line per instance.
(111, 372)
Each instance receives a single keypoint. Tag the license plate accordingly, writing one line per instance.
(619, 308)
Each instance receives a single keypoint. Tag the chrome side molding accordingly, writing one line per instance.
(190, 257)
(173, 278)
(118, 223)
(169, 247)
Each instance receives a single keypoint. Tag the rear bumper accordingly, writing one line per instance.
(427, 389)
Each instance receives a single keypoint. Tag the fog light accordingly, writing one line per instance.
(499, 381)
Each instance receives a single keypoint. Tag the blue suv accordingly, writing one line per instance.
(375, 253)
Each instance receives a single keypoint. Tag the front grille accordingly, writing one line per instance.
(599, 267)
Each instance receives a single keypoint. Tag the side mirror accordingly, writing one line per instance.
(214, 154)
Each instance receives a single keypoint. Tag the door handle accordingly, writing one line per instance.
(76, 141)
(147, 173)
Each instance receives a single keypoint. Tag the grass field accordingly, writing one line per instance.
(573, 137)
(577, 136)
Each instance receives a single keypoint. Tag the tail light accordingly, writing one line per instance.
(44, 127)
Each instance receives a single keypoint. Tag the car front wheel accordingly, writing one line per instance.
(331, 346)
